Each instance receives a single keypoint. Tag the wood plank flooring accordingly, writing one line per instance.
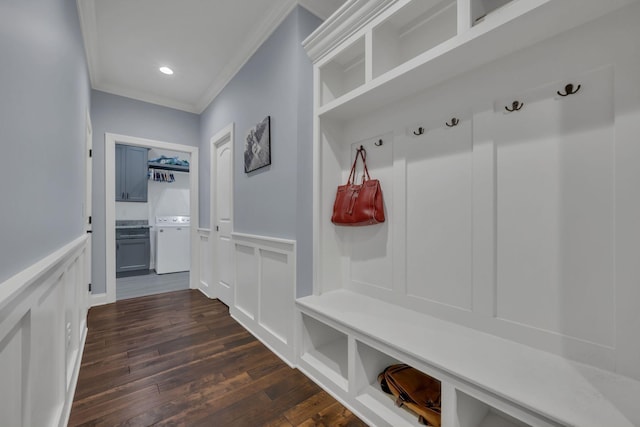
(179, 359)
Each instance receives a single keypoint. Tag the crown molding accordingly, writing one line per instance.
(254, 41)
(145, 97)
(347, 20)
(88, 24)
(89, 28)
(323, 9)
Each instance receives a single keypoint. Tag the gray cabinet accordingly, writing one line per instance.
(132, 250)
(131, 173)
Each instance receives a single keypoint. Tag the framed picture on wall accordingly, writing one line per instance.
(257, 146)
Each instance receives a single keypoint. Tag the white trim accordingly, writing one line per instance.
(46, 305)
(253, 43)
(15, 285)
(249, 327)
(228, 132)
(323, 9)
(110, 140)
(66, 411)
(254, 238)
(98, 299)
(275, 17)
(89, 28)
(274, 297)
(146, 97)
(204, 245)
(88, 162)
(346, 21)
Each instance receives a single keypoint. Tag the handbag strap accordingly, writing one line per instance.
(360, 153)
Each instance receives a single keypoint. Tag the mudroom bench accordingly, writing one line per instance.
(348, 338)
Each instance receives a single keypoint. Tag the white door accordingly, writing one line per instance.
(222, 218)
(88, 182)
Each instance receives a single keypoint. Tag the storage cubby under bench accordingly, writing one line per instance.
(349, 338)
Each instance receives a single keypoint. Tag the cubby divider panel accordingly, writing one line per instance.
(481, 8)
(370, 362)
(411, 31)
(474, 413)
(326, 350)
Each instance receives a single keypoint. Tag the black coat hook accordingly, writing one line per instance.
(454, 122)
(420, 131)
(568, 90)
(378, 143)
(515, 106)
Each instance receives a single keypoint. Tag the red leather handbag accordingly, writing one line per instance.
(359, 204)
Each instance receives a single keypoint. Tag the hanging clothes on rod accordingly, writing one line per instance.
(160, 176)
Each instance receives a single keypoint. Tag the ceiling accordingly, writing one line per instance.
(205, 42)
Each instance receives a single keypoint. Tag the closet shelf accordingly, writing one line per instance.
(161, 166)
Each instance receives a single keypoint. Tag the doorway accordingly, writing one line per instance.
(221, 214)
(111, 141)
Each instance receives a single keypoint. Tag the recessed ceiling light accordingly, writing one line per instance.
(166, 70)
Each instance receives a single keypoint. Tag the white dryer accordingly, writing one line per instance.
(173, 244)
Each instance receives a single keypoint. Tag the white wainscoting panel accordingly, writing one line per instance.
(265, 291)
(43, 313)
(439, 201)
(247, 276)
(204, 262)
(555, 209)
(371, 247)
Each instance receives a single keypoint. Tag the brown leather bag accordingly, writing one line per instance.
(359, 204)
(417, 391)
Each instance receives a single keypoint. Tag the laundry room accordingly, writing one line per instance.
(152, 221)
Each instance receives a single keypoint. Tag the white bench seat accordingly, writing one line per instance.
(558, 389)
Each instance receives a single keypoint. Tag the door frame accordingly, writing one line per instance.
(88, 171)
(88, 212)
(110, 141)
(226, 133)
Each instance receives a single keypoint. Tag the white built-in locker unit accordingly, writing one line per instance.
(506, 136)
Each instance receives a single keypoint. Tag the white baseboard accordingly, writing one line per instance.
(266, 340)
(98, 299)
(204, 291)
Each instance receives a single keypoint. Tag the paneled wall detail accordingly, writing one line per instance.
(439, 191)
(43, 313)
(265, 290)
(204, 262)
(507, 222)
(555, 207)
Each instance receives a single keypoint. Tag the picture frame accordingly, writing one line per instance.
(257, 146)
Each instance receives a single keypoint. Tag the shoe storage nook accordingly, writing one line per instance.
(506, 138)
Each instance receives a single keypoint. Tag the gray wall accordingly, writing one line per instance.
(125, 116)
(44, 95)
(276, 81)
(304, 204)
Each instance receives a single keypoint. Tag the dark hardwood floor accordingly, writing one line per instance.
(179, 359)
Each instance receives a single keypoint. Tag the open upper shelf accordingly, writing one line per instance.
(162, 166)
(410, 56)
(343, 73)
(411, 31)
(480, 9)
